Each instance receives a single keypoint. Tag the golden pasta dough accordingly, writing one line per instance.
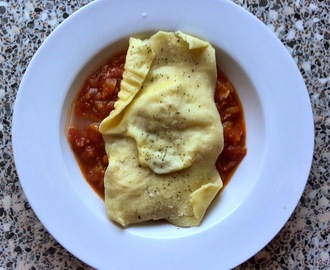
(165, 134)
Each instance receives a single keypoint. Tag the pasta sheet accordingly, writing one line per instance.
(165, 133)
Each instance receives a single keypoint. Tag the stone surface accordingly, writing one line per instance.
(304, 28)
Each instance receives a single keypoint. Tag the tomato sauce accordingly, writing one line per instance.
(96, 100)
(232, 117)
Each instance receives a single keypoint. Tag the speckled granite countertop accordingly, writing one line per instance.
(304, 28)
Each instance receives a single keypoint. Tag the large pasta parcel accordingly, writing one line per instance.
(165, 134)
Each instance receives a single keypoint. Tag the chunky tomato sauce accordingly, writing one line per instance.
(96, 100)
(232, 117)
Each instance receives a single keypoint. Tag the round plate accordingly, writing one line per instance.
(254, 205)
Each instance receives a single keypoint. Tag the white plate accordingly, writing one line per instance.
(258, 200)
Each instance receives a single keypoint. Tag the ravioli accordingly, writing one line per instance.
(165, 134)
